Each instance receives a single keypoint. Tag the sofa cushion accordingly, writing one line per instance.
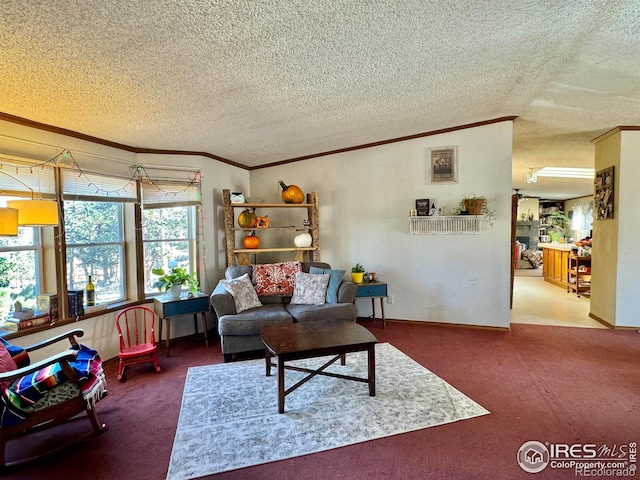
(236, 271)
(275, 278)
(326, 311)
(335, 280)
(310, 289)
(250, 322)
(243, 293)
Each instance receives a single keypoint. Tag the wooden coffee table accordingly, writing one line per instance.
(296, 341)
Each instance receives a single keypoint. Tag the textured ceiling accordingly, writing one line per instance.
(257, 82)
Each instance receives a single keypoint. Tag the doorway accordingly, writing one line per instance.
(535, 301)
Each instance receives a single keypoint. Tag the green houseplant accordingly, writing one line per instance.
(475, 205)
(558, 222)
(357, 273)
(177, 277)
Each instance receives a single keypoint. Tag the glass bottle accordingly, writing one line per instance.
(91, 293)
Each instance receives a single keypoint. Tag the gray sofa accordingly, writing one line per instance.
(240, 332)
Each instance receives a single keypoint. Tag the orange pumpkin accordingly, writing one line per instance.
(291, 193)
(251, 241)
(247, 218)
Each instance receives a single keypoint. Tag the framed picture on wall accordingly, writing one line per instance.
(442, 164)
(603, 198)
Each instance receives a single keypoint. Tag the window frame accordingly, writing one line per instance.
(193, 227)
(38, 250)
(121, 243)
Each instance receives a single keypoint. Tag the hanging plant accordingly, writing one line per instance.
(475, 205)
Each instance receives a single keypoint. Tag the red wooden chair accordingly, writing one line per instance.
(137, 338)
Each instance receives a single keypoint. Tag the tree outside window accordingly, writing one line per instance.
(168, 236)
(95, 246)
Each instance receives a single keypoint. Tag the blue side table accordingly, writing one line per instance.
(166, 308)
(374, 290)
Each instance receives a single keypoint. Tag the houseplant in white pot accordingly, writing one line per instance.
(172, 282)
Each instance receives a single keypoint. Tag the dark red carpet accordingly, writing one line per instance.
(551, 384)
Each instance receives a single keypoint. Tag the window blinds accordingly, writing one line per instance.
(22, 180)
(167, 193)
(98, 187)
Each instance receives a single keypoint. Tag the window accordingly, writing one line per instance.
(168, 237)
(95, 246)
(19, 270)
(169, 227)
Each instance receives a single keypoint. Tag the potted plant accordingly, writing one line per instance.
(475, 205)
(558, 222)
(173, 281)
(357, 273)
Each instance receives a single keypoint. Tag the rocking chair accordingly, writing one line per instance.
(49, 392)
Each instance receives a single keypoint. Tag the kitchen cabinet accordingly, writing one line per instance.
(555, 263)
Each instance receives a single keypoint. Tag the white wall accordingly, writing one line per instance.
(628, 260)
(365, 197)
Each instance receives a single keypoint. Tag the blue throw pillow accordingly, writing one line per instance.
(335, 280)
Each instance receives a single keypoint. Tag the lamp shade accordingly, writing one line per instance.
(35, 213)
(8, 222)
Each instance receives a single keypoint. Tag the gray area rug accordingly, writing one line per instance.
(229, 417)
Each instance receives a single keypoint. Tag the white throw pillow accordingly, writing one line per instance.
(243, 293)
(310, 289)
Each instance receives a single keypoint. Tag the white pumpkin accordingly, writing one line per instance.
(303, 240)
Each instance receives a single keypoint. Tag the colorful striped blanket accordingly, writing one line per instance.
(19, 400)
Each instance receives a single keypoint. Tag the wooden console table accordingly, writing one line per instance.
(166, 308)
(373, 290)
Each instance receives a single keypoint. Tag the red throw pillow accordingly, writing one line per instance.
(276, 278)
(7, 364)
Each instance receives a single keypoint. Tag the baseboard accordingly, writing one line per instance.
(614, 327)
(437, 324)
(602, 321)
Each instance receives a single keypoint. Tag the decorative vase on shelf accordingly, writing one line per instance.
(174, 291)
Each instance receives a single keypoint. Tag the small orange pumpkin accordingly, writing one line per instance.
(247, 218)
(291, 193)
(251, 241)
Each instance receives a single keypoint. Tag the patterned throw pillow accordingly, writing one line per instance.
(334, 282)
(243, 293)
(310, 289)
(276, 278)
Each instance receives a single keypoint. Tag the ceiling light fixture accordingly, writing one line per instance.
(566, 172)
(531, 176)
